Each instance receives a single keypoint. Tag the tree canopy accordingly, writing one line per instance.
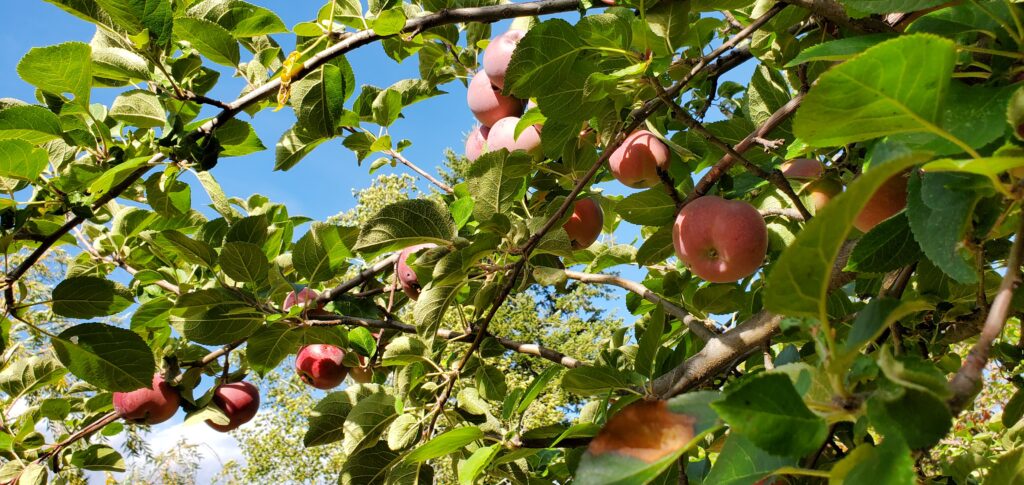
(830, 250)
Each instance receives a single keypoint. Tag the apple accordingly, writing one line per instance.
(720, 240)
(585, 223)
(304, 296)
(476, 142)
(406, 276)
(319, 365)
(635, 163)
(362, 374)
(487, 103)
(239, 401)
(152, 405)
(810, 173)
(644, 430)
(498, 53)
(503, 132)
(889, 199)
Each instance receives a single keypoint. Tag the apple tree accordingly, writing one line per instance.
(829, 250)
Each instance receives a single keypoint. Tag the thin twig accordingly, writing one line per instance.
(423, 173)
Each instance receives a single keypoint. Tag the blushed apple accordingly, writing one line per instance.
(889, 199)
(635, 163)
(319, 365)
(304, 296)
(585, 223)
(502, 135)
(152, 405)
(498, 54)
(810, 173)
(239, 400)
(720, 240)
(406, 276)
(487, 103)
(476, 142)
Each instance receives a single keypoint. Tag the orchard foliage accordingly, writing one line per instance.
(855, 313)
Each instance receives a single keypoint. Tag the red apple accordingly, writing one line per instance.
(635, 163)
(720, 240)
(487, 103)
(306, 295)
(889, 199)
(503, 132)
(406, 276)
(585, 223)
(476, 142)
(239, 401)
(151, 405)
(498, 53)
(319, 365)
(809, 173)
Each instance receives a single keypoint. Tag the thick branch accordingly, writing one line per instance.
(834, 12)
(722, 351)
(968, 380)
(703, 329)
(362, 277)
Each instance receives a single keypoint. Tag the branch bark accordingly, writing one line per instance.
(703, 329)
(968, 380)
(720, 352)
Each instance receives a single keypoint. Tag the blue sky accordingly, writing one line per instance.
(318, 187)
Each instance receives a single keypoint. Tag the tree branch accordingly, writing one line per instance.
(391, 324)
(362, 277)
(968, 380)
(423, 173)
(702, 329)
(720, 352)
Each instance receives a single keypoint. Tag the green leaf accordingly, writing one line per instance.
(741, 462)
(1009, 468)
(650, 342)
(767, 410)
(404, 350)
(367, 421)
(168, 196)
(138, 107)
(652, 207)
(537, 386)
(887, 464)
(20, 160)
(404, 224)
(490, 382)
(115, 63)
(293, 146)
(973, 114)
(889, 6)
(656, 248)
(798, 283)
(268, 346)
(920, 417)
(191, 250)
(897, 86)
(471, 468)
(59, 69)
(403, 431)
(34, 124)
(318, 98)
(34, 474)
(98, 457)
(216, 193)
(1014, 409)
(887, 247)
(242, 19)
(327, 417)
(244, 262)
(431, 307)
(878, 315)
(839, 49)
(940, 207)
(211, 40)
(445, 444)
(215, 317)
(320, 254)
(90, 296)
(670, 21)
(543, 59)
(238, 138)
(497, 180)
(389, 22)
(766, 93)
(136, 16)
(386, 107)
(362, 341)
(588, 381)
(24, 376)
(105, 356)
(102, 184)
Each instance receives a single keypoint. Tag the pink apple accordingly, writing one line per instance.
(406, 276)
(720, 240)
(502, 135)
(152, 405)
(487, 103)
(319, 365)
(635, 163)
(239, 400)
(305, 296)
(889, 199)
(585, 223)
(499, 53)
(476, 142)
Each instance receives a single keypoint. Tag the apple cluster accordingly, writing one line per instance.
(153, 405)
